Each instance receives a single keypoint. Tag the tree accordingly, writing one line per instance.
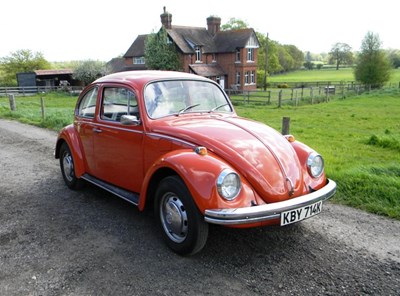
(394, 57)
(341, 54)
(160, 53)
(89, 70)
(22, 60)
(234, 24)
(373, 66)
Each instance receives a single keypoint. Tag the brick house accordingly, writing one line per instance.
(228, 57)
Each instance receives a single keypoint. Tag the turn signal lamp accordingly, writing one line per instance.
(200, 150)
(290, 138)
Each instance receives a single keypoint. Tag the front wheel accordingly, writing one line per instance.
(68, 169)
(182, 225)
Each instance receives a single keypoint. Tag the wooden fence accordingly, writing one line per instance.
(296, 95)
(32, 90)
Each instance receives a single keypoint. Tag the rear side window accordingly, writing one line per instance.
(87, 105)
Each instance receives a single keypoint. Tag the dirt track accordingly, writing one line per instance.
(54, 241)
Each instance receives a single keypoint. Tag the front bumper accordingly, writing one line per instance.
(268, 211)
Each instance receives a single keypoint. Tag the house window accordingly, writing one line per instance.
(198, 54)
(214, 57)
(253, 77)
(238, 78)
(250, 54)
(238, 55)
(246, 77)
(138, 61)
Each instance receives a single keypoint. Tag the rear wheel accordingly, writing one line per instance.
(182, 225)
(68, 168)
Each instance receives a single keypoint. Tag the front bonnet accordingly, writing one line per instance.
(259, 153)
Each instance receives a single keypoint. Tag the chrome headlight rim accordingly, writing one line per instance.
(220, 184)
(315, 165)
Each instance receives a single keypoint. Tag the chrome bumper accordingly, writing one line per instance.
(267, 211)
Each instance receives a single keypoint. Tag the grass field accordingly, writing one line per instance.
(358, 137)
(333, 75)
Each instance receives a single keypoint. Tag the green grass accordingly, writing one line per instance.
(333, 75)
(357, 136)
(59, 110)
(359, 140)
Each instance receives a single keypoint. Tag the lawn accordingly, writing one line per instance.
(332, 75)
(358, 137)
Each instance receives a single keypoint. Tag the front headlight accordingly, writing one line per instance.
(228, 184)
(315, 164)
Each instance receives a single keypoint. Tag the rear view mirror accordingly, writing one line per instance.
(130, 120)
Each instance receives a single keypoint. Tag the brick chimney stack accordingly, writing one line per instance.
(166, 19)
(213, 24)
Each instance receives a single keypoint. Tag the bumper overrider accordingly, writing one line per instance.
(268, 211)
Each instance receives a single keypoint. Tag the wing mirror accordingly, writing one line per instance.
(130, 120)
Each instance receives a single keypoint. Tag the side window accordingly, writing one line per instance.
(118, 101)
(87, 106)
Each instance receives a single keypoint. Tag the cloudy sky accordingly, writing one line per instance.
(100, 30)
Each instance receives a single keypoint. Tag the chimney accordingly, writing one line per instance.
(166, 19)
(213, 24)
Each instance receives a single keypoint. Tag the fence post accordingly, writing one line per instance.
(285, 125)
(312, 95)
(269, 97)
(11, 98)
(42, 106)
(280, 99)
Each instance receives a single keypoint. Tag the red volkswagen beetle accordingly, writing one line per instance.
(173, 141)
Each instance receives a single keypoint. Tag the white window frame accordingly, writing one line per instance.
(238, 78)
(250, 54)
(237, 55)
(197, 51)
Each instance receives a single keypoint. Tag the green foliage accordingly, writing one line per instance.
(161, 53)
(22, 60)
(234, 24)
(373, 66)
(341, 54)
(309, 65)
(394, 57)
(89, 70)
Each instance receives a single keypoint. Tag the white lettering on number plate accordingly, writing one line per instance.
(302, 213)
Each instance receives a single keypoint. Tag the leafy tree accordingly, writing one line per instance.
(160, 53)
(22, 60)
(373, 66)
(341, 54)
(234, 24)
(309, 65)
(296, 54)
(394, 57)
(89, 70)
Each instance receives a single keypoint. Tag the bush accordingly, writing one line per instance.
(283, 85)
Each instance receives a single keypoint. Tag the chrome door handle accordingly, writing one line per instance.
(96, 130)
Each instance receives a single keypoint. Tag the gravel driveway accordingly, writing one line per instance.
(54, 241)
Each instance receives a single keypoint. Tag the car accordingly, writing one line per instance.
(172, 142)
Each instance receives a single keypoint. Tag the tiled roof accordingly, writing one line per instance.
(229, 41)
(137, 47)
(207, 70)
(186, 38)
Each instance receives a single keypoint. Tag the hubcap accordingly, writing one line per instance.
(68, 167)
(174, 217)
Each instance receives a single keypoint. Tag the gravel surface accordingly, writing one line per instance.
(54, 241)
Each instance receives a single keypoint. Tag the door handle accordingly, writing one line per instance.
(97, 130)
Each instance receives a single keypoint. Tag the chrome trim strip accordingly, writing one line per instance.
(268, 211)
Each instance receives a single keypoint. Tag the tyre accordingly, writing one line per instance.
(68, 169)
(182, 225)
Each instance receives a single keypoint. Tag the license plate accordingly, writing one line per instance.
(302, 213)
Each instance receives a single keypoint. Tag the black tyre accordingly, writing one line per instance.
(182, 225)
(68, 168)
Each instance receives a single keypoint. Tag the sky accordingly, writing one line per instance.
(74, 30)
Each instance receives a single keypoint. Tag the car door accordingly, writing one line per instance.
(84, 124)
(117, 147)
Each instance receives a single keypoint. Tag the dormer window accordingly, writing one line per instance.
(237, 55)
(197, 50)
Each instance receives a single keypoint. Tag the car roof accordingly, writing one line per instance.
(146, 76)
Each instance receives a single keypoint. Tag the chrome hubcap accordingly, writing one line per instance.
(68, 167)
(174, 217)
